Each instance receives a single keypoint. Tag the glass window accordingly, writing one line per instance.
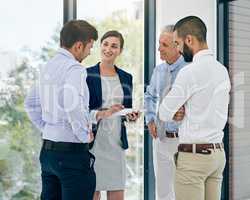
(126, 17)
(29, 36)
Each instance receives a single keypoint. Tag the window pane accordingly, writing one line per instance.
(29, 36)
(127, 18)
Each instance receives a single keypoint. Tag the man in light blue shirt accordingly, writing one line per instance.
(59, 107)
(165, 137)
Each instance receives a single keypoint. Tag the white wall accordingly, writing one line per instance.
(169, 12)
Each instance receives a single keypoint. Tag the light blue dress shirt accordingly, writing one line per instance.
(156, 88)
(59, 103)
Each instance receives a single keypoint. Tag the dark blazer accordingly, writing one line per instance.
(95, 92)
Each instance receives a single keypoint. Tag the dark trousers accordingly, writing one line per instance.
(67, 175)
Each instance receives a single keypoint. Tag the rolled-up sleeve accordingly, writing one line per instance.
(76, 103)
(93, 114)
(182, 89)
(33, 108)
(150, 100)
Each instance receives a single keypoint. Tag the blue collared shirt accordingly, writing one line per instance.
(59, 103)
(156, 88)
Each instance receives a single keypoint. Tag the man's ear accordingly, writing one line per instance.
(78, 45)
(189, 39)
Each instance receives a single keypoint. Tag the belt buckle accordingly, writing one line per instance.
(174, 134)
(193, 148)
(171, 134)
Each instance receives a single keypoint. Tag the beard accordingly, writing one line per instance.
(187, 53)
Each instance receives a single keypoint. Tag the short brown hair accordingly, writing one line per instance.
(77, 30)
(116, 34)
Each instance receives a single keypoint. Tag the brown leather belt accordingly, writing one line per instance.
(171, 135)
(199, 148)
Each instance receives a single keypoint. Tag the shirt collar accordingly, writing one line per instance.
(66, 53)
(176, 64)
(202, 53)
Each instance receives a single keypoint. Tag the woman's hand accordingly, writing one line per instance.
(133, 116)
(108, 112)
(113, 109)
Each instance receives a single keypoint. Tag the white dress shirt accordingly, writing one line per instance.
(203, 88)
(59, 105)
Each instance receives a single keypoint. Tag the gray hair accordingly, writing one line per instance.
(168, 29)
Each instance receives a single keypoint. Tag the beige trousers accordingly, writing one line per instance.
(199, 176)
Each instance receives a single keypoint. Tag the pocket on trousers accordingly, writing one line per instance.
(176, 158)
(91, 161)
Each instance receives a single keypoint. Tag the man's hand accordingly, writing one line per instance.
(91, 137)
(179, 115)
(108, 112)
(152, 129)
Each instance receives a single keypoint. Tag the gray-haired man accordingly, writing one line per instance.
(165, 134)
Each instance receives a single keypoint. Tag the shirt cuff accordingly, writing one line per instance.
(82, 135)
(150, 118)
(93, 114)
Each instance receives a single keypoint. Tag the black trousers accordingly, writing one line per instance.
(67, 175)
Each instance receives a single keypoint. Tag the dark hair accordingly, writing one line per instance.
(114, 34)
(77, 30)
(191, 25)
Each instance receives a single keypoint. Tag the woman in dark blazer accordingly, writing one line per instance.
(110, 86)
